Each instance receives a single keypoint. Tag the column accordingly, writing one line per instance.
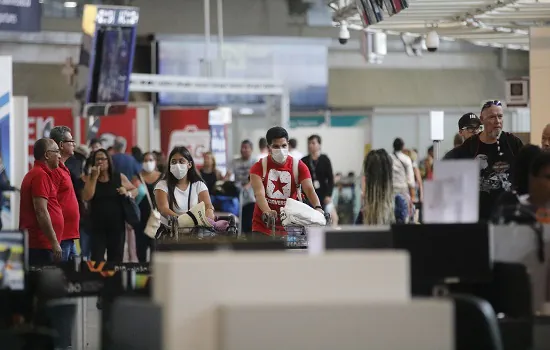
(539, 80)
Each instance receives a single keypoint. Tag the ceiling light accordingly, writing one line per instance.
(70, 4)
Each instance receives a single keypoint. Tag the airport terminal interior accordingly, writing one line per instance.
(274, 174)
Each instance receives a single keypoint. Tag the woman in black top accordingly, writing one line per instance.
(104, 188)
(149, 176)
(209, 173)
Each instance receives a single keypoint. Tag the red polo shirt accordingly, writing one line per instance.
(38, 182)
(67, 199)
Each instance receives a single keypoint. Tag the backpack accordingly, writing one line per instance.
(295, 175)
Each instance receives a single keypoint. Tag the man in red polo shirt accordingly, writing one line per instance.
(39, 212)
(66, 194)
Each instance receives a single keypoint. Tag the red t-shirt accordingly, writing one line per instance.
(67, 197)
(279, 185)
(38, 182)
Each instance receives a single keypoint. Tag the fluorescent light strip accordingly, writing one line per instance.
(70, 4)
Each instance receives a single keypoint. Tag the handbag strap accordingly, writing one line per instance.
(147, 193)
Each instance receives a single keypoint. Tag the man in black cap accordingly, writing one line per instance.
(468, 125)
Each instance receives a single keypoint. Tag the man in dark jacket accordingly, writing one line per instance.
(320, 167)
(495, 149)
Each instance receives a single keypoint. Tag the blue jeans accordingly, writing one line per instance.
(68, 250)
(85, 248)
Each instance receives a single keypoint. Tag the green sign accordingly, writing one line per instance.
(318, 120)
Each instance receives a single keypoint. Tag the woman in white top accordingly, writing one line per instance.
(181, 187)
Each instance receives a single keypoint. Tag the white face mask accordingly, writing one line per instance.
(179, 170)
(279, 154)
(149, 166)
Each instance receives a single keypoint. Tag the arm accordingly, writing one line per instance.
(309, 190)
(418, 178)
(128, 186)
(410, 179)
(161, 198)
(259, 193)
(330, 184)
(88, 191)
(43, 217)
(204, 196)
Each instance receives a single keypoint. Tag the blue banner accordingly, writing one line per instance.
(20, 15)
(219, 146)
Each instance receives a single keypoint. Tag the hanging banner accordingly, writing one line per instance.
(7, 141)
(20, 15)
(185, 127)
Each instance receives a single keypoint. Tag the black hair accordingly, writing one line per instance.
(398, 144)
(522, 167)
(40, 148)
(541, 161)
(314, 137)
(379, 200)
(58, 133)
(171, 181)
(274, 133)
(262, 143)
(293, 143)
(430, 149)
(111, 170)
(247, 142)
(137, 154)
(94, 141)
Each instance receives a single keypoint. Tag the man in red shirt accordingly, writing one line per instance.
(39, 212)
(277, 183)
(66, 195)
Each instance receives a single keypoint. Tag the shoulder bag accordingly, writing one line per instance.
(129, 207)
(153, 222)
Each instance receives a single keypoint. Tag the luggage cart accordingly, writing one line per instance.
(174, 233)
(295, 236)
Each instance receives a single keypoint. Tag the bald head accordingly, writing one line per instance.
(545, 140)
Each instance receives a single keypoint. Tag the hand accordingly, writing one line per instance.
(56, 249)
(269, 217)
(94, 172)
(327, 200)
(122, 191)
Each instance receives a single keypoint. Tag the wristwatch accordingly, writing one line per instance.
(318, 207)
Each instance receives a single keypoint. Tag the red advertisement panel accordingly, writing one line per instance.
(42, 120)
(108, 128)
(185, 127)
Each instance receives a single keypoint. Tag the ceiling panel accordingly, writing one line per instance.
(498, 23)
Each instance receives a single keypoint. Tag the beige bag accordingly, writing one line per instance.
(153, 223)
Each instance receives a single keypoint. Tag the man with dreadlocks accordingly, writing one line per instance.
(381, 206)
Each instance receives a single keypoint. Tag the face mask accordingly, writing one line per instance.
(149, 166)
(179, 170)
(279, 155)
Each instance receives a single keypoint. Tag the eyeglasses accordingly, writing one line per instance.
(100, 159)
(53, 150)
(69, 141)
(491, 103)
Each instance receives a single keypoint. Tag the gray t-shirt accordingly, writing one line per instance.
(241, 169)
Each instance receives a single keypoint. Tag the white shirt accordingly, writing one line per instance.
(182, 196)
(403, 174)
(296, 154)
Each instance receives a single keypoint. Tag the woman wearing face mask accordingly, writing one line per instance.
(149, 176)
(181, 187)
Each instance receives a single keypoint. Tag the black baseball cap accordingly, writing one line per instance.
(469, 120)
